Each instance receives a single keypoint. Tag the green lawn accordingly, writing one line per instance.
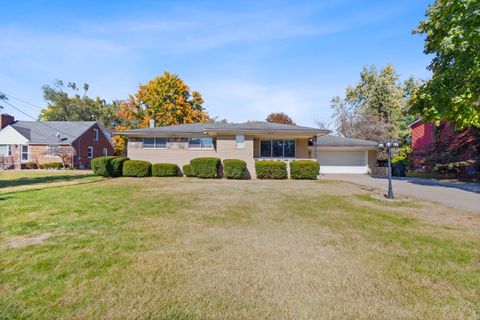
(184, 248)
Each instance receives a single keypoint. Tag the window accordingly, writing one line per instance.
(95, 134)
(200, 143)
(52, 150)
(105, 152)
(5, 150)
(158, 143)
(25, 153)
(90, 153)
(240, 141)
(277, 148)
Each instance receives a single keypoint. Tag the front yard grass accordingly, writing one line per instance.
(184, 248)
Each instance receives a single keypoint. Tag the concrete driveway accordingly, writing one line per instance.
(464, 196)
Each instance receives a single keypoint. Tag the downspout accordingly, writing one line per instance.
(315, 147)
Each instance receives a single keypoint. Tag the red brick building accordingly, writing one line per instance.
(442, 143)
(74, 143)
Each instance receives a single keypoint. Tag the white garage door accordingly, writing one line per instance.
(343, 161)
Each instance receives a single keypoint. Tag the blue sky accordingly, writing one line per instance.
(247, 58)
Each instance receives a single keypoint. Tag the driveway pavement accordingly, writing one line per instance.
(465, 196)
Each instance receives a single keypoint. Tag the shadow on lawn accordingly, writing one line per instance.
(41, 180)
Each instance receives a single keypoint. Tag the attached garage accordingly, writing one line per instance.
(344, 155)
(343, 161)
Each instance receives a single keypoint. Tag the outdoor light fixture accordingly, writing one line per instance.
(388, 145)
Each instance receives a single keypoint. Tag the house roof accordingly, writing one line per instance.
(206, 128)
(415, 122)
(46, 132)
(336, 141)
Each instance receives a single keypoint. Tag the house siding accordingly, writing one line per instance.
(178, 152)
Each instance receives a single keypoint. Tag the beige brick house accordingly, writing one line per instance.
(249, 142)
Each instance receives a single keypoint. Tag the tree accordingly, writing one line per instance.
(79, 107)
(167, 99)
(376, 108)
(453, 37)
(279, 117)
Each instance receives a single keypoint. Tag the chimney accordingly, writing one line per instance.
(5, 120)
(153, 123)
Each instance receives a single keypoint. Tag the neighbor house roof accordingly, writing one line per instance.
(206, 128)
(52, 132)
(336, 141)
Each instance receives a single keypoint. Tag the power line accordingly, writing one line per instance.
(26, 102)
(19, 110)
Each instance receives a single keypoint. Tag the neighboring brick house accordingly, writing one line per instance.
(442, 144)
(73, 142)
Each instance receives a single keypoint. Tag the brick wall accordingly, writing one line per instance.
(81, 145)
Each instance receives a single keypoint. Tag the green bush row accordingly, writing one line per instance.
(299, 169)
(205, 168)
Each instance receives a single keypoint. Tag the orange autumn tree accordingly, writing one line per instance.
(167, 99)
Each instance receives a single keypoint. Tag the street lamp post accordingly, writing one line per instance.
(389, 145)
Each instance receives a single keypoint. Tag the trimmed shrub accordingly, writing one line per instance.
(115, 166)
(31, 165)
(99, 166)
(51, 165)
(268, 169)
(110, 166)
(188, 171)
(164, 170)
(234, 169)
(205, 167)
(304, 169)
(137, 168)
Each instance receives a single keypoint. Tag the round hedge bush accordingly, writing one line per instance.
(234, 169)
(164, 170)
(137, 168)
(304, 169)
(268, 169)
(109, 166)
(205, 168)
(188, 171)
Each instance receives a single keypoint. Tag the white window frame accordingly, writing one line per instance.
(50, 147)
(240, 141)
(22, 153)
(9, 150)
(283, 149)
(154, 142)
(90, 154)
(95, 134)
(105, 152)
(201, 147)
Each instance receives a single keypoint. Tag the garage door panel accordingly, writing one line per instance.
(344, 161)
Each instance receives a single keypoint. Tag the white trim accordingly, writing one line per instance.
(21, 153)
(95, 134)
(105, 152)
(88, 152)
